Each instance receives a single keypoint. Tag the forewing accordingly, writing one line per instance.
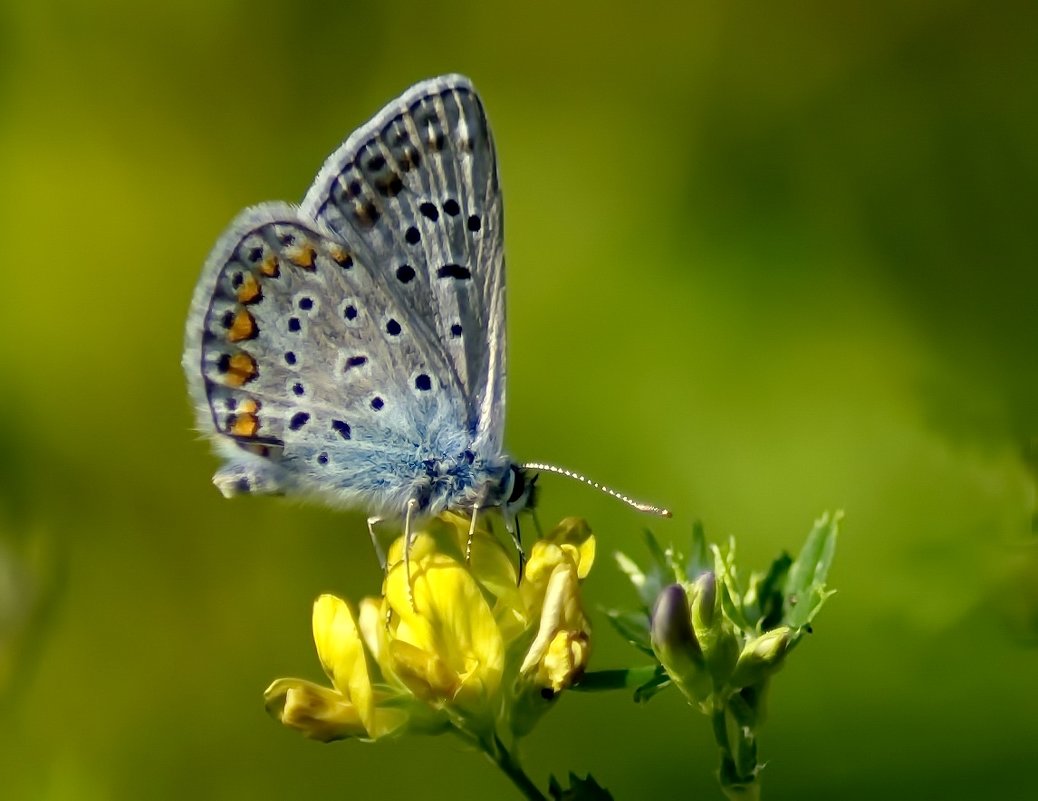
(297, 355)
(416, 188)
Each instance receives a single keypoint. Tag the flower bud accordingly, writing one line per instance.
(675, 643)
(705, 602)
(761, 657)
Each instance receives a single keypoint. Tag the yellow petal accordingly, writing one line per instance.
(341, 652)
(451, 621)
(559, 652)
(317, 712)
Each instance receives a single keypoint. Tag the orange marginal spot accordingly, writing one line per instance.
(243, 327)
(241, 369)
(341, 256)
(303, 257)
(249, 291)
(249, 406)
(270, 266)
(245, 425)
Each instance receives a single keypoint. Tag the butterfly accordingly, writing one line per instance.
(352, 347)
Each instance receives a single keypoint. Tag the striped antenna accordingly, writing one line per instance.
(562, 471)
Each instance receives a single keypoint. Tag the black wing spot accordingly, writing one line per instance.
(405, 273)
(322, 458)
(237, 280)
(306, 304)
(376, 163)
(413, 236)
(290, 357)
(286, 239)
(223, 364)
(456, 330)
(423, 383)
(298, 389)
(342, 427)
(393, 328)
(454, 271)
(474, 223)
(299, 419)
(255, 254)
(350, 312)
(429, 211)
(451, 207)
(377, 403)
(294, 324)
(356, 361)
(228, 318)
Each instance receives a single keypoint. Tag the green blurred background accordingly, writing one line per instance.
(764, 261)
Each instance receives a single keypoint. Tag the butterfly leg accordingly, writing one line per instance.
(408, 537)
(472, 534)
(516, 537)
(381, 554)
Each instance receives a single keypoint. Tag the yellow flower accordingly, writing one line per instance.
(457, 643)
(349, 708)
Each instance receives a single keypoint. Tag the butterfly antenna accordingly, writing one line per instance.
(562, 471)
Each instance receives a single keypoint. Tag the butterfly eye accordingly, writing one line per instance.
(518, 484)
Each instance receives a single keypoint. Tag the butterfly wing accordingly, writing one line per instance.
(307, 372)
(416, 189)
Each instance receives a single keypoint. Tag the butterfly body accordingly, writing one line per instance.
(353, 347)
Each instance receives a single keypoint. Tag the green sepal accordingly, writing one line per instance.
(633, 627)
(586, 789)
(805, 585)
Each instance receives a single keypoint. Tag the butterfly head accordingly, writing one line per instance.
(518, 492)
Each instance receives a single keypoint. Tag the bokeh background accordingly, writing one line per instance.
(764, 261)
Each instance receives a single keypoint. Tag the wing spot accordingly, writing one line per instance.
(255, 254)
(299, 419)
(412, 236)
(294, 325)
(298, 389)
(322, 458)
(474, 223)
(423, 383)
(377, 403)
(454, 271)
(405, 273)
(242, 327)
(393, 328)
(290, 357)
(429, 211)
(376, 163)
(355, 361)
(451, 207)
(350, 312)
(341, 257)
(286, 239)
(249, 289)
(342, 427)
(456, 330)
(306, 304)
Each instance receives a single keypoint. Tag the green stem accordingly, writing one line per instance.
(736, 783)
(509, 765)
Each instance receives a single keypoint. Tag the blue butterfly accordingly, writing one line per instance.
(353, 347)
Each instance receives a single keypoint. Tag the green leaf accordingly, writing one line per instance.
(619, 679)
(700, 559)
(805, 585)
(633, 627)
(652, 687)
(579, 789)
